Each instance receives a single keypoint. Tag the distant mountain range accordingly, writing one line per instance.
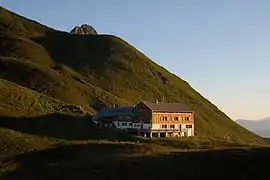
(259, 127)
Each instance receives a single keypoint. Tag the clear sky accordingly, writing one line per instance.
(221, 47)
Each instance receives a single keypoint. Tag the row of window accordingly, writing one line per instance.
(165, 118)
(163, 126)
(127, 124)
(124, 123)
(188, 126)
(172, 126)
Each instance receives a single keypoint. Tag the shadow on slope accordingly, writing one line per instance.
(82, 52)
(108, 161)
(61, 126)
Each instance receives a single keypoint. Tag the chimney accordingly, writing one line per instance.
(156, 101)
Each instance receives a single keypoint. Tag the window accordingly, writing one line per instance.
(164, 126)
(176, 118)
(187, 118)
(188, 126)
(164, 118)
(130, 124)
(172, 126)
(125, 124)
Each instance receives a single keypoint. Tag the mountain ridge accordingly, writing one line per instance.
(260, 127)
(256, 120)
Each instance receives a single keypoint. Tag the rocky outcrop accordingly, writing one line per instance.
(84, 29)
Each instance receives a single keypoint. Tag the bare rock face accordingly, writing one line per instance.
(84, 29)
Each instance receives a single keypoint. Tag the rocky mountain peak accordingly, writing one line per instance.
(84, 29)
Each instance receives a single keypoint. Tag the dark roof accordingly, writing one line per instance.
(167, 107)
(114, 111)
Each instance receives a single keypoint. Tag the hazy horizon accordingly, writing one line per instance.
(220, 47)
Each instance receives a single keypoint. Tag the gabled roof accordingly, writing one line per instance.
(114, 111)
(167, 107)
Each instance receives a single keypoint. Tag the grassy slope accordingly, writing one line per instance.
(109, 63)
(61, 83)
(20, 101)
(13, 142)
(112, 64)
